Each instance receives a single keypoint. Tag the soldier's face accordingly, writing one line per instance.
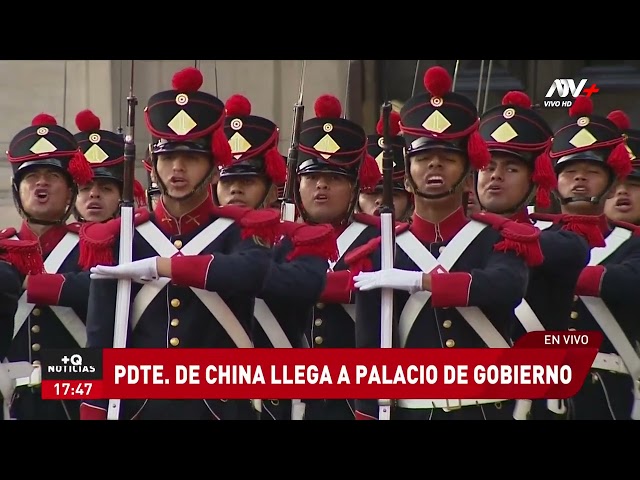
(582, 179)
(326, 196)
(245, 190)
(45, 193)
(181, 172)
(624, 206)
(504, 183)
(370, 202)
(98, 201)
(437, 171)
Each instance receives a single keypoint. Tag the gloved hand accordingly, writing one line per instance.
(140, 271)
(392, 278)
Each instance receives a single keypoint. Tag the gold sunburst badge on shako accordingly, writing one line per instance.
(326, 146)
(95, 154)
(436, 122)
(182, 123)
(583, 138)
(379, 161)
(504, 133)
(43, 146)
(238, 145)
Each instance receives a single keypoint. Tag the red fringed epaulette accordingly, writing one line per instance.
(263, 224)
(521, 238)
(24, 255)
(74, 227)
(546, 217)
(358, 260)
(97, 240)
(371, 220)
(316, 240)
(587, 226)
(7, 233)
(629, 226)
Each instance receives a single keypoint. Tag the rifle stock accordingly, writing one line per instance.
(123, 295)
(387, 247)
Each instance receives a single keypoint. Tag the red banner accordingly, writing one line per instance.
(540, 365)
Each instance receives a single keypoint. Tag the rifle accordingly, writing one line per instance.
(288, 208)
(387, 246)
(123, 295)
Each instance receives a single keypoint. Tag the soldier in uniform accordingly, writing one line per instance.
(520, 169)
(370, 201)
(99, 200)
(188, 252)
(333, 165)
(47, 167)
(300, 261)
(18, 258)
(624, 205)
(444, 146)
(590, 158)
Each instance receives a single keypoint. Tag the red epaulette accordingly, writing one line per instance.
(263, 224)
(629, 226)
(97, 239)
(7, 233)
(588, 226)
(358, 260)
(521, 238)
(24, 255)
(316, 240)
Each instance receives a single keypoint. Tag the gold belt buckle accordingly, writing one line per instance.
(451, 407)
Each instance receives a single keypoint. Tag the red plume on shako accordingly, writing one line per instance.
(253, 141)
(516, 129)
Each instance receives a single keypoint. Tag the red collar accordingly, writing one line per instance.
(522, 216)
(444, 231)
(48, 240)
(187, 222)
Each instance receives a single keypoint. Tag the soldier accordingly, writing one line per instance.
(590, 158)
(520, 169)
(299, 263)
(624, 205)
(477, 264)
(471, 201)
(370, 201)
(47, 167)
(99, 200)
(333, 165)
(190, 254)
(17, 259)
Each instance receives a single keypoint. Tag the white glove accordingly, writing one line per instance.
(391, 278)
(140, 271)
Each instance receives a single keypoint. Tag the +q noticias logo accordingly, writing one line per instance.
(71, 364)
(563, 91)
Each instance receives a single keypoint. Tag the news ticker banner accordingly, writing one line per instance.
(540, 365)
